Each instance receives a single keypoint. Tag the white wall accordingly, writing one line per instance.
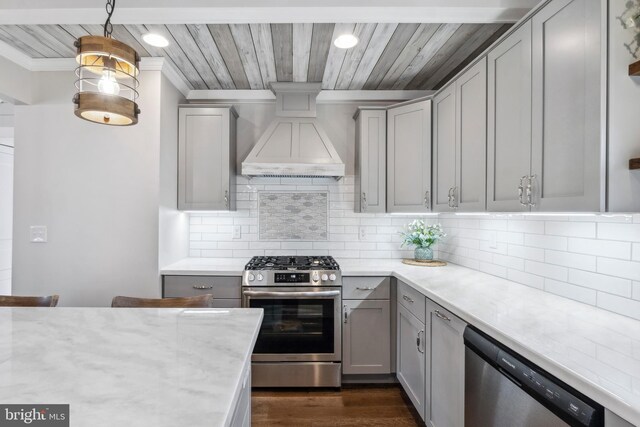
(15, 82)
(96, 188)
(173, 225)
(6, 214)
(624, 110)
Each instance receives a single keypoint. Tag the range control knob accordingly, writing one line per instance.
(315, 277)
(325, 277)
(260, 277)
(332, 277)
(251, 277)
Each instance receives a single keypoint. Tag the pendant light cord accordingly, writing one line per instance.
(108, 27)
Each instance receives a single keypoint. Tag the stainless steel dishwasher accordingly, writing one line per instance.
(503, 389)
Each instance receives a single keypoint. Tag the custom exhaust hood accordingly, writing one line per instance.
(294, 144)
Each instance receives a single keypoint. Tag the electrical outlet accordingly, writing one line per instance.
(493, 240)
(362, 233)
(237, 231)
(38, 233)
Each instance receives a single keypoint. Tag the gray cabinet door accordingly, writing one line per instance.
(371, 148)
(444, 148)
(568, 149)
(410, 357)
(366, 347)
(409, 158)
(207, 152)
(444, 398)
(469, 193)
(509, 119)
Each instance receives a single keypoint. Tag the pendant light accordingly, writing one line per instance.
(107, 78)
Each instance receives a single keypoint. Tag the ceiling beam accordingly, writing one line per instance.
(263, 11)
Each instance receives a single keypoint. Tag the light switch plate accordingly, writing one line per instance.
(237, 231)
(38, 234)
(362, 233)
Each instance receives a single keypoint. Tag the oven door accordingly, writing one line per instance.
(300, 324)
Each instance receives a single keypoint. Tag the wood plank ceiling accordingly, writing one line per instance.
(250, 56)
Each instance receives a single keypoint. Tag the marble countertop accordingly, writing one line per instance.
(119, 367)
(595, 351)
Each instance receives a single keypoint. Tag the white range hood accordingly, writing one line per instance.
(294, 144)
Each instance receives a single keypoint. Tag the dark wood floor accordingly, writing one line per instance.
(367, 406)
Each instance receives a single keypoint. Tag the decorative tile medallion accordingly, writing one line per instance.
(293, 215)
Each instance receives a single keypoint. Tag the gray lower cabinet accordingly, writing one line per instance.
(509, 120)
(569, 106)
(242, 413)
(366, 338)
(366, 332)
(459, 144)
(410, 358)
(409, 157)
(371, 156)
(225, 289)
(206, 158)
(444, 367)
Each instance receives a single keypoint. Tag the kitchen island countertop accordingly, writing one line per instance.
(594, 350)
(122, 367)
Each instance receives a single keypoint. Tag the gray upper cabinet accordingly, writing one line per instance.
(469, 193)
(409, 157)
(509, 120)
(444, 397)
(207, 158)
(371, 147)
(444, 148)
(460, 144)
(569, 83)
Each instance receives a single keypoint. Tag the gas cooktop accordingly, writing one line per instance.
(292, 263)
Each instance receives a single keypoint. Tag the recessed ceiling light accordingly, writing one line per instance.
(346, 41)
(155, 40)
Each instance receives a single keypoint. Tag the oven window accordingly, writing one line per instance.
(295, 326)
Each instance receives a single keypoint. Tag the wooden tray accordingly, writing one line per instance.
(431, 263)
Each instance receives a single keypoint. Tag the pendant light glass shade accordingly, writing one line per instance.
(107, 81)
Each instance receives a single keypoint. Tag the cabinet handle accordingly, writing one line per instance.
(427, 203)
(365, 205)
(442, 316)
(521, 191)
(368, 288)
(449, 196)
(455, 197)
(529, 190)
(202, 286)
(226, 198)
(406, 298)
(419, 341)
(345, 314)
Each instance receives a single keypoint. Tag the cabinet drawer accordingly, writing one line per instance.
(187, 286)
(366, 287)
(412, 300)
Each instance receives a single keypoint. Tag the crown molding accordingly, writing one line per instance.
(70, 64)
(325, 96)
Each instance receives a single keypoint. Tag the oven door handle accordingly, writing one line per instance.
(319, 294)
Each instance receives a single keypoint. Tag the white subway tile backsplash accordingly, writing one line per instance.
(601, 282)
(587, 296)
(614, 267)
(547, 270)
(546, 242)
(606, 248)
(594, 259)
(568, 259)
(571, 229)
(626, 232)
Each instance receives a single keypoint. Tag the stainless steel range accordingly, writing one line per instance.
(300, 340)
